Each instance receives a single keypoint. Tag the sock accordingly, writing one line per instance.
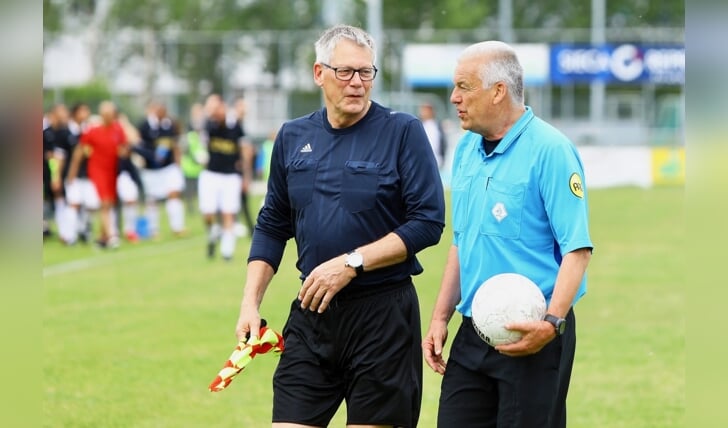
(70, 228)
(176, 214)
(152, 214)
(213, 232)
(59, 216)
(129, 218)
(227, 243)
(114, 224)
(82, 221)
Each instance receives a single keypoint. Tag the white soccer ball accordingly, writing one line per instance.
(502, 299)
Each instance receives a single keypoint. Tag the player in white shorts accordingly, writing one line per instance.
(81, 194)
(161, 176)
(220, 184)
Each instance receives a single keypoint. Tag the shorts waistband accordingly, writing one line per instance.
(359, 292)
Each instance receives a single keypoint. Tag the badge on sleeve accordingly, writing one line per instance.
(575, 185)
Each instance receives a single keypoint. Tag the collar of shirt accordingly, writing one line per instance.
(511, 135)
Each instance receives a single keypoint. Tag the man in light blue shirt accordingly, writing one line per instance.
(519, 205)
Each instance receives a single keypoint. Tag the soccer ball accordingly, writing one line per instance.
(503, 299)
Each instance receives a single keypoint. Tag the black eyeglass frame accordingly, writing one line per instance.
(352, 71)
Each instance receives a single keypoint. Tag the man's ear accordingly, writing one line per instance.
(318, 74)
(500, 92)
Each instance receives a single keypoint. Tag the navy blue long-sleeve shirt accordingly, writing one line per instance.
(337, 189)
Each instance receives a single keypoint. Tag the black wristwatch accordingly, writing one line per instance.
(558, 323)
(355, 261)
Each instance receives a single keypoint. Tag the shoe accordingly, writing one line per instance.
(84, 237)
(181, 233)
(227, 259)
(210, 249)
(113, 242)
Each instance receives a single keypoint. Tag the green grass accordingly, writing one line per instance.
(133, 337)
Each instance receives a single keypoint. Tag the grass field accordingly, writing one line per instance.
(133, 337)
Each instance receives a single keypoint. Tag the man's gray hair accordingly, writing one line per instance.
(500, 63)
(330, 38)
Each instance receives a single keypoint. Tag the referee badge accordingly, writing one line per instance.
(575, 185)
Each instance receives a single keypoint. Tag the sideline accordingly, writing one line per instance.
(111, 257)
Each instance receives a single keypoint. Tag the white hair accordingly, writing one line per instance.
(499, 63)
(330, 38)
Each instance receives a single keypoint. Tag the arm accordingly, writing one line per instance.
(57, 161)
(447, 299)
(538, 334)
(75, 164)
(330, 277)
(247, 151)
(258, 278)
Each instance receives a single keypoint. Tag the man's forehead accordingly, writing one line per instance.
(348, 50)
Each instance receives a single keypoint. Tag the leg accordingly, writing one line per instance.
(229, 207)
(228, 238)
(176, 213)
(207, 191)
(244, 206)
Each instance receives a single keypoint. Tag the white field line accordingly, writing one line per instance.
(110, 257)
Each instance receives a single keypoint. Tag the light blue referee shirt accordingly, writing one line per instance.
(519, 209)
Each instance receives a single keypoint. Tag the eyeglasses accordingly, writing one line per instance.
(345, 73)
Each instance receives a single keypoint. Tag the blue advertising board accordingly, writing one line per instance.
(617, 63)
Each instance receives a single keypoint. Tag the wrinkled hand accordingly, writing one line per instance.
(323, 283)
(536, 335)
(248, 322)
(432, 345)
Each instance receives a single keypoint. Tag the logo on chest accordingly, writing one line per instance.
(499, 211)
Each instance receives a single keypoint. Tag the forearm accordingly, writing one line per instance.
(75, 163)
(177, 154)
(384, 252)
(257, 280)
(571, 272)
(247, 161)
(420, 234)
(449, 294)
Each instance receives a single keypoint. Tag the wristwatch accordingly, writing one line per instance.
(355, 261)
(558, 323)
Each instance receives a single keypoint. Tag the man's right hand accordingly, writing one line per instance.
(248, 323)
(432, 346)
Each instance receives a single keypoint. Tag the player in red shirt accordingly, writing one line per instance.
(103, 145)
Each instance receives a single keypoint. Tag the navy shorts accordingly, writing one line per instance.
(364, 350)
(482, 388)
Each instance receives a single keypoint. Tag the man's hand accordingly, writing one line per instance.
(432, 345)
(248, 322)
(536, 335)
(324, 282)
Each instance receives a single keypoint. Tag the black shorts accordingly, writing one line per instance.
(364, 350)
(485, 389)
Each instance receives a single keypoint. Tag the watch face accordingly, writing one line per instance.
(354, 260)
(561, 326)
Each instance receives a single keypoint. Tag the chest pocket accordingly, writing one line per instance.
(359, 185)
(301, 179)
(503, 209)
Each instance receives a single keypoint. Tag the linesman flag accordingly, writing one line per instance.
(247, 349)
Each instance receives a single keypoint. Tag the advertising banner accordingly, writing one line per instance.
(618, 63)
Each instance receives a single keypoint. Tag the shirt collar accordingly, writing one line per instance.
(515, 131)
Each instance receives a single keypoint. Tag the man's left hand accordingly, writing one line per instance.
(323, 283)
(536, 335)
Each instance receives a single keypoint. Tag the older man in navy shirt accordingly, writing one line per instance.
(357, 186)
